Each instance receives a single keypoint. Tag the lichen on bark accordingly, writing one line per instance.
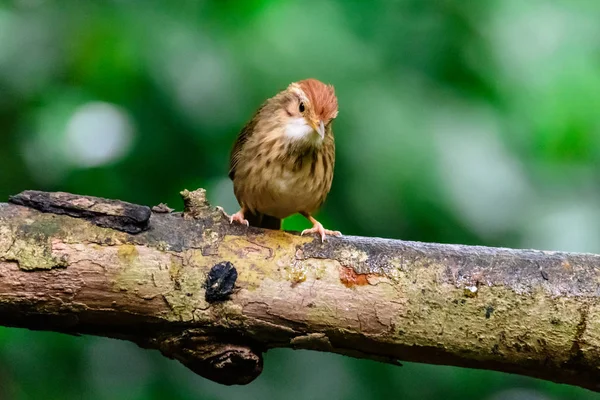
(519, 311)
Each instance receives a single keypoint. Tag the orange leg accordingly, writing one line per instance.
(318, 228)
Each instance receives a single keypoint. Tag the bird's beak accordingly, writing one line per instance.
(319, 127)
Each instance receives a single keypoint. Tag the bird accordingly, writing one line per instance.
(283, 159)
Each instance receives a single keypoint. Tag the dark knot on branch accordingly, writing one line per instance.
(220, 282)
(210, 357)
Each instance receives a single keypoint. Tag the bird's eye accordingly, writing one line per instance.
(301, 107)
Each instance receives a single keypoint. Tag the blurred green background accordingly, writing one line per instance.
(472, 122)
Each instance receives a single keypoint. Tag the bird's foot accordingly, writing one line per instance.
(239, 217)
(318, 228)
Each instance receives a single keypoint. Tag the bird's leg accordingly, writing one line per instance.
(318, 228)
(238, 216)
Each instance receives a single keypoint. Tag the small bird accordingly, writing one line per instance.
(282, 161)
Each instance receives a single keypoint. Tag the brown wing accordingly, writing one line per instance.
(242, 138)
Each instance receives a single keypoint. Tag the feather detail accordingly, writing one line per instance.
(242, 138)
(322, 97)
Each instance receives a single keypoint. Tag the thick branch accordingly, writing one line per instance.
(215, 296)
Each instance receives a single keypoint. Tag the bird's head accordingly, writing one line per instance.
(309, 108)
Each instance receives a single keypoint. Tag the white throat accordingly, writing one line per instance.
(298, 130)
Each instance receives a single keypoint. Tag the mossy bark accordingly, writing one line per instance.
(521, 311)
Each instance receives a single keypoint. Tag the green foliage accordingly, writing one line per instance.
(460, 122)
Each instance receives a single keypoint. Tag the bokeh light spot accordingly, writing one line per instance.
(97, 134)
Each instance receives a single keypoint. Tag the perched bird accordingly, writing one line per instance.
(282, 161)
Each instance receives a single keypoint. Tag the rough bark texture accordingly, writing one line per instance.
(215, 296)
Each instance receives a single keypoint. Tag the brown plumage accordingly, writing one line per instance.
(282, 161)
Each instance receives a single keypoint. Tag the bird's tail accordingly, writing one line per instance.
(263, 221)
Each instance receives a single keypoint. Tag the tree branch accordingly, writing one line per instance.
(215, 296)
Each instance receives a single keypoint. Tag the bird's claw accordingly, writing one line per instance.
(239, 217)
(318, 228)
